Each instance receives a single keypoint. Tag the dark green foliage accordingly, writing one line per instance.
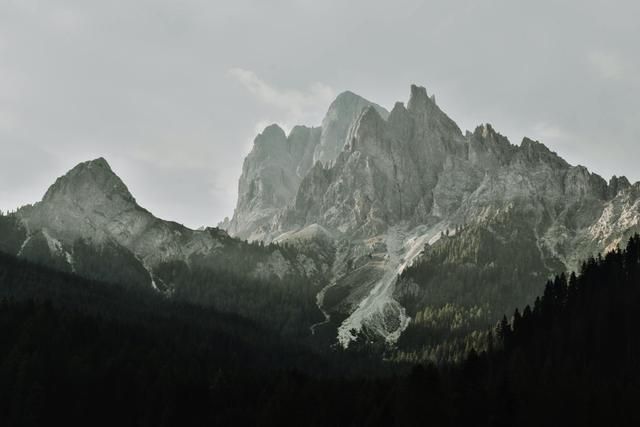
(12, 234)
(97, 262)
(465, 282)
(80, 352)
(285, 305)
(572, 359)
(38, 250)
(100, 355)
(576, 354)
(228, 280)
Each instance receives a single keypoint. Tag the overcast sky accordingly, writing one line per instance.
(172, 93)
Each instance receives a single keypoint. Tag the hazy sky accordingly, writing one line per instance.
(173, 92)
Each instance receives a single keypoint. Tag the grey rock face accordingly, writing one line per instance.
(274, 169)
(271, 174)
(90, 209)
(342, 113)
(91, 202)
(402, 179)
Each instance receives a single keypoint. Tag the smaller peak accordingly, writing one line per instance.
(347, 94)
(299, 130)
(86, 178)
(528, 142)
(419, 99)
(398, 106)
(399, 115)
(370, 114)
(418, 90)
(537, 150)
(270, 134)
(347, 98)
(273, 129)
(620, 180)
(534, 146)
(99, 162)
(349, 105)
(485, 130)
(617, 185)
(96, 166)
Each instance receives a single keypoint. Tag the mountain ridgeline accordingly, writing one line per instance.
(88, 223)
(392, 228)
(512, 215)
(362, 280)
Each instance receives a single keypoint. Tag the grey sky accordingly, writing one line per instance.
(173, 92)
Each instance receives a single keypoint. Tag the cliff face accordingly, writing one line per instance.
(271, 175)
(353, 206)
(342, 113)
(89, 223)
(401, 180)
(275, 167)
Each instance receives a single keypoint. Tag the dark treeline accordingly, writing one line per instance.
(240, 277)
(466, 281)
(572, 358)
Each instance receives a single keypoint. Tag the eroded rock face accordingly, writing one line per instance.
(88, 222)
(91, 202)
(271, 175)
(356, 216)
(342, 113)
(273, 171)
(401, 180)
(417, 168)
(387, 172)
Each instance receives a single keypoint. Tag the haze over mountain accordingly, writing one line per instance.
(88, 223)
(240, 212)
(401, 181)
(381, 219)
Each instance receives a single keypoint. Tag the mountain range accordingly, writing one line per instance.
(401, 181)
(392, 226)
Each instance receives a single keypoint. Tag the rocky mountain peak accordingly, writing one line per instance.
(272, 137)
(617, 185)
(398, 108)
(273, 171)
(419, 100)
(488, 147)
(341, 115)
(535, 151)
(89, 180)
(428, 115)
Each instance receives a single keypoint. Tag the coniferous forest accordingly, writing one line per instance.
(76, 351)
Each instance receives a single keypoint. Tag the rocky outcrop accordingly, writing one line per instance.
(342, 113)
(89, 223)
(92, 203)
(271, 174)
(401, 180)
(275, 167)
(352, 205)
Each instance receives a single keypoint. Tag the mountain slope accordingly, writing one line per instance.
(90, 224)
(277, 163)
(79, 351)
(111, 356)
(402, 181)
